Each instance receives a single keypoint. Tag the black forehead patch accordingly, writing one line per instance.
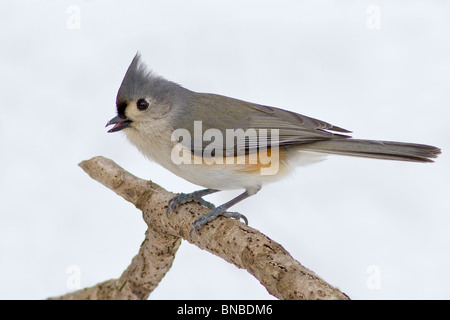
(121, 106)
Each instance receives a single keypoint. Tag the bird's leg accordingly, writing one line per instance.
(196, 196)
(221, 211)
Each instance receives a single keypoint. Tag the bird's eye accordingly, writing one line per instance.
(142, 104)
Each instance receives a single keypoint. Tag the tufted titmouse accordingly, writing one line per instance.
(223, 143)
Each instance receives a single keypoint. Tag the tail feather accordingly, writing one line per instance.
(390, 150)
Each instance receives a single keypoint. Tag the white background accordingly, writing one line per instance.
(341, 218)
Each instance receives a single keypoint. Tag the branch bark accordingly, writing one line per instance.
(241, 245)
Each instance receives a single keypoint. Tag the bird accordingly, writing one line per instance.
(221, 143)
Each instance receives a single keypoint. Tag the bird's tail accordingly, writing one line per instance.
(376, 149)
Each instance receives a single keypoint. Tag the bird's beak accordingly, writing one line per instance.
(119, 123)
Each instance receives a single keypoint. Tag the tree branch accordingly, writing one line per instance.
(243, 246)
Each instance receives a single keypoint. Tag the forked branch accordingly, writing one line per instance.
(241, 245)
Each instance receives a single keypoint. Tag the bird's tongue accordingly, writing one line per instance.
(118, 124)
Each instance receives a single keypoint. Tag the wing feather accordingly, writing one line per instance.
(258, 121)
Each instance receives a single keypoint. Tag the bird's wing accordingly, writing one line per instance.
(255, 126)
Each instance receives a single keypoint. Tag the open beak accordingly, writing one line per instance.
(119, 123)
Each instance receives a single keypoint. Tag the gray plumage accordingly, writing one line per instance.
(151, 109)
(295, 130)
(139, 82)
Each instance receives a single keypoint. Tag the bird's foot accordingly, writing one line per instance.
(219, 211)
(195, 196)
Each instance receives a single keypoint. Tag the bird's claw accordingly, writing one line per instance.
(184, 198)
(196, 196)
(202, 220)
